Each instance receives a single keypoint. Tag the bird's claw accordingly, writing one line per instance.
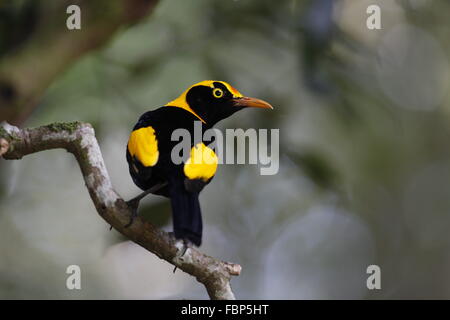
(133, 205)
(186, 245)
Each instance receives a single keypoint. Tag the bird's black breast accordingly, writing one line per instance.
(163, 121)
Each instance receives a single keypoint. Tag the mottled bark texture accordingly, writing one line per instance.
(79, 139)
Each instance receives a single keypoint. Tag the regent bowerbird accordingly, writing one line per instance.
(150, 146)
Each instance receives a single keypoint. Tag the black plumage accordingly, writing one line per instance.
(150, 147)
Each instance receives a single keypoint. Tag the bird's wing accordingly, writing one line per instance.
(200, 167)
(143, 146)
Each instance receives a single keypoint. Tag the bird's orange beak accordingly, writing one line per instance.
(247, 102)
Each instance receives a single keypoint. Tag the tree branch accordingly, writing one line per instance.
(79, 139)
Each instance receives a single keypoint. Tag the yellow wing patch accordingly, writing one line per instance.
(202, 163)
(144, 146)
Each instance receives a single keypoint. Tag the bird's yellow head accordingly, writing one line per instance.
(211, 101)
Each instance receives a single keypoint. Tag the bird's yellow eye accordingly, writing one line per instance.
(217, 93)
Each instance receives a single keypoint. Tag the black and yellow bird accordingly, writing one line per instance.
(150, 147)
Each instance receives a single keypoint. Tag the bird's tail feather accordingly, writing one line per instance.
(186, 214)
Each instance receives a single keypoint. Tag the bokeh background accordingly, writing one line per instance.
(364, 119)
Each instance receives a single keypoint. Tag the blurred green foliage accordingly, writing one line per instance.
(364, 131)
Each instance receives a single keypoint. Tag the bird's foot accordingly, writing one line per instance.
(186, 244)
(172, 236)
(133, 204)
